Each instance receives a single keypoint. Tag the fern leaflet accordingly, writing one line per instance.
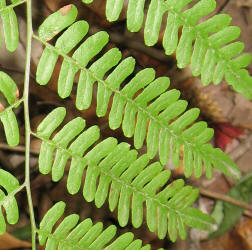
(58, 21)
(122, 176)
(69, 235)
(8, 202)
(10, 91)
(208, 45)
(10, 24)
(156, 114)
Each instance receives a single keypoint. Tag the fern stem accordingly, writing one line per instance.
(27, 119)
(15, 104)
(14, 192)
(11, 6)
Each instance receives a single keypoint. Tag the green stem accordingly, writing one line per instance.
(27, 119)
(13, 193)
(11, 6)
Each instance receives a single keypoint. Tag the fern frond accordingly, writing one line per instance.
(71, 235)
(10, 24)
(10, 91)
(8, 201)
(156, 114)
(115, 171)
(208, 45)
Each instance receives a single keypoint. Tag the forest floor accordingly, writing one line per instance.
(229, 113)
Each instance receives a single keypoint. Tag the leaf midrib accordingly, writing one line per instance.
(118, 180)
(186, 22)
(195, 146)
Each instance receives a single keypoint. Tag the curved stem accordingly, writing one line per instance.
(27, 119)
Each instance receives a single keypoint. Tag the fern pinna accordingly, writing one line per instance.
(7, 116)
(208, 46)
(70, 236)
(10, 185)
(156, 114)
(10, 24)
(126, 179)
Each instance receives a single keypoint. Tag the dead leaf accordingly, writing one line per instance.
(56, 4)
(99, 7)
(7, 241)
(64, 10)
(244, 230)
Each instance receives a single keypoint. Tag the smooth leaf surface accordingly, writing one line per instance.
(10, 26)
(116, 173)
(8, 87)
(70, 234)
(7, 116)
(144, 106)
(9, 183)
(57, 22)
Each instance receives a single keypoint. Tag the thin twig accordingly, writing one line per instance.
(223, 197)
(222, 7)
(241, 148)
(21, 149)
(235, 154)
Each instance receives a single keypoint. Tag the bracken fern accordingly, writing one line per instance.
(143, 106)
(208, 46)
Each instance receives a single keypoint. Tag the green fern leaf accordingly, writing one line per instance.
(122, 176)
(212, 56)
(70, 235)
(10, 91)
(10, 24)
(170, 127)
(8, 201)
(57, 22)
